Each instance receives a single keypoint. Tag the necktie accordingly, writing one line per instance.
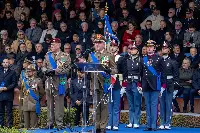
(31, 34)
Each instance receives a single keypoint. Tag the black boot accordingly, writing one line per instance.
(192, 109)
(184, 110)
(177, 109)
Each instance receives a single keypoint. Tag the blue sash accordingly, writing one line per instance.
(153, 71)
(105, 76)
(32, 94)
(2, 84)
(61, 86)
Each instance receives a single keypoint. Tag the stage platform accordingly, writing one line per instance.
(122, 129)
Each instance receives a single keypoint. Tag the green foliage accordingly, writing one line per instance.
(12, 130)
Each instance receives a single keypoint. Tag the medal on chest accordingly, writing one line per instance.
(149, 62)
(105, 60)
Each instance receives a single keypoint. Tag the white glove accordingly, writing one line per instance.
(161, 91)
(174, 93)
(123, 90)
(192, 45)
(139, 89)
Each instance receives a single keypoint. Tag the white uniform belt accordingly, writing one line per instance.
(133, 77)
(170, 77)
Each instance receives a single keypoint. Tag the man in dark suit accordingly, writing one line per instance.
(148, 33)
(177, 54)
(8, 82)
(194, 58)
(77, 88)
(178, 33)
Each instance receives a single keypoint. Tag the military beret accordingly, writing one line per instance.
(28, 61)
(55, 40)
(99, 38)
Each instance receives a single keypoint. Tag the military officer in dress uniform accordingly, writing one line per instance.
(153, 83)
(21, 87)
(32, 92)
(114, 97)
(133, 90)
(103, 80)
(56, 67)
(167, 96)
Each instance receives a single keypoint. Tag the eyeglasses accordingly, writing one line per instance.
(170, 12)
(67, 48)
(78, 49)
(39, 62)
(21, 34)
(8, 48)
(98, 42)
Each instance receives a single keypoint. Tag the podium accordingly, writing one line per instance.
(94, 68)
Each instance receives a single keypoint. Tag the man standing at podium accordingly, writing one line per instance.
(101, 55)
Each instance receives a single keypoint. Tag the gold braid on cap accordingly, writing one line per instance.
(151, 42)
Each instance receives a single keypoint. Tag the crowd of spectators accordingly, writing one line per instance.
(27, 27)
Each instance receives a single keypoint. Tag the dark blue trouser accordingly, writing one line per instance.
(134, 101)
(151, 102)
(166, 108)
(114, 108)
(9, 106)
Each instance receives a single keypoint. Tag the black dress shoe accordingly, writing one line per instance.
(60, 128)
(48, 127)
(98, 130)
(147, 129)
(103, 131)
(154, 129)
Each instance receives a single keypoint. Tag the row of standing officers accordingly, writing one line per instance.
(151, 75)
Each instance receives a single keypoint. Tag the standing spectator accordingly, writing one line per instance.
(24, 20)
(180, 12)
(74, 43)
(194, 58)
(161, 32)
(169, 39)
(138, 12)
(33, 33)
(47, 43)
(57, 19)
(67, 49)
(171, 19)
(116, 31)
(64, 34)
(22, 8)
(100, 28)
(13, 66)
(21, 39)
(38, 53)
(43, 9)
(178, 33)
(43, 21)
(125, 18)
(177, 54)
(185, 77)
(21, 55)
(189, 19)
(8, 82)
(20, 26)
(129, 35)
(38, 68)
(72, 21)
(84, 36)
(191, 39)
(78, 53)
(155, 19)
(8, 7)
(148, 33)
(65, 9)
(9, 23)
(4, 40)
(49, 30)
(195, 10)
